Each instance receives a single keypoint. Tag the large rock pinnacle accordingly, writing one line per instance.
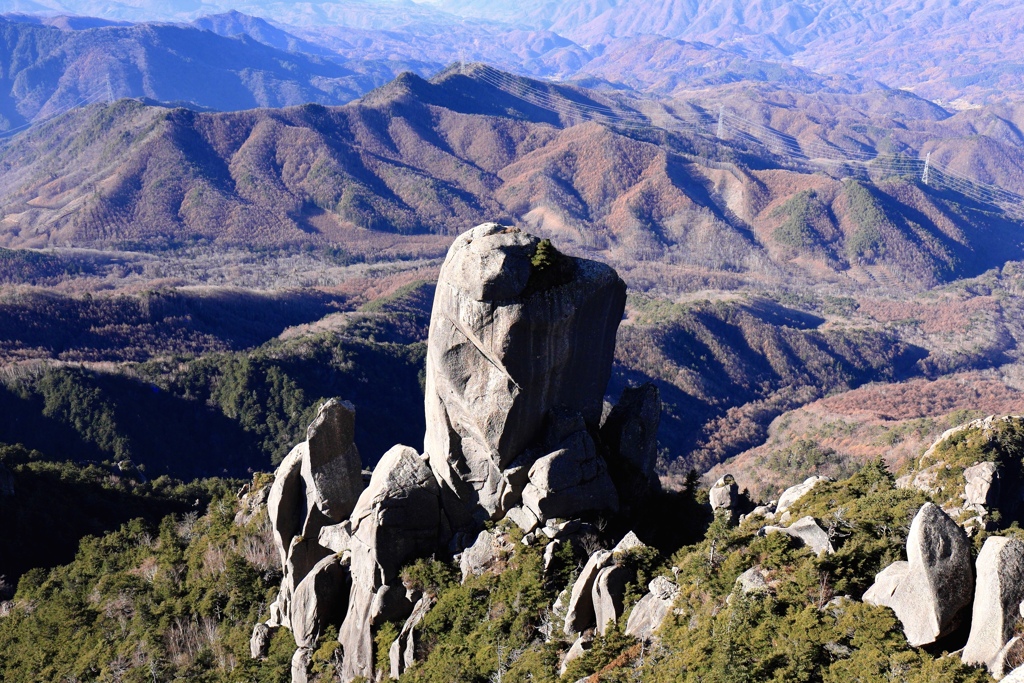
(516, 329)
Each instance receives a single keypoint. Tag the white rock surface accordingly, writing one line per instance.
(649, 613)
(998, 594)
(795, 493)
(931, 592)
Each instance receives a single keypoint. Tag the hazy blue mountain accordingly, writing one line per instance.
(946, 50)
(48, 70)
(233, 24)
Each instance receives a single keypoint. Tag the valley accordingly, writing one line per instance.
(268, 409)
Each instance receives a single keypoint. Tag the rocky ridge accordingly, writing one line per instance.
(520, 449)
(519, 356)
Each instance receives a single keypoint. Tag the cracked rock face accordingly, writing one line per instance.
(516, 329)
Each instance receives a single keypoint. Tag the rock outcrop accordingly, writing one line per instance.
(516, 329)
(649, 613)
(998, 595)
(752, 581)
(807, 531)
(579, 615)
(518, 359)
(982, 487)
(259, 643)
(331, 468)
(795, 493)
(319, 599)
(724, 494)
(931, 591)
(487, 549)
(572, 478)
(596, 596)
(608, 593)
(315, 485)
(397, 517)
(403, 651)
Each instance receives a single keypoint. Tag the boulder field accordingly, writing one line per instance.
(518, 360)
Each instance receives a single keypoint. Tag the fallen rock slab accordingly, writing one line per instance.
(579, 614)
(649, 613)
(807, 531)
(608, 593)
(795, 493)
(403, 651)
(319, 599)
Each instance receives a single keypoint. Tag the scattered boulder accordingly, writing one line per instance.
(807, 531)
(752, 581)
(397, 517)
(924, 480)
(649, 613)
(579, 614)
(319, 600)
(331, 468)
(724, 494)
(998, 594)
(523, 517)
(403, 651)
(982, 489)
(488, 548)
(516, 329)
(259, 642)
(795, 493)
(628, 542)
(631, 431)
(931, 591)
(608, 593)
(251, 503)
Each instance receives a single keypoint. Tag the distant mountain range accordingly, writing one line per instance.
(962, 52)
(50, 68)
(431, 157)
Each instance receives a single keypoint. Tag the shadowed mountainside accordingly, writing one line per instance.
(435, 156)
